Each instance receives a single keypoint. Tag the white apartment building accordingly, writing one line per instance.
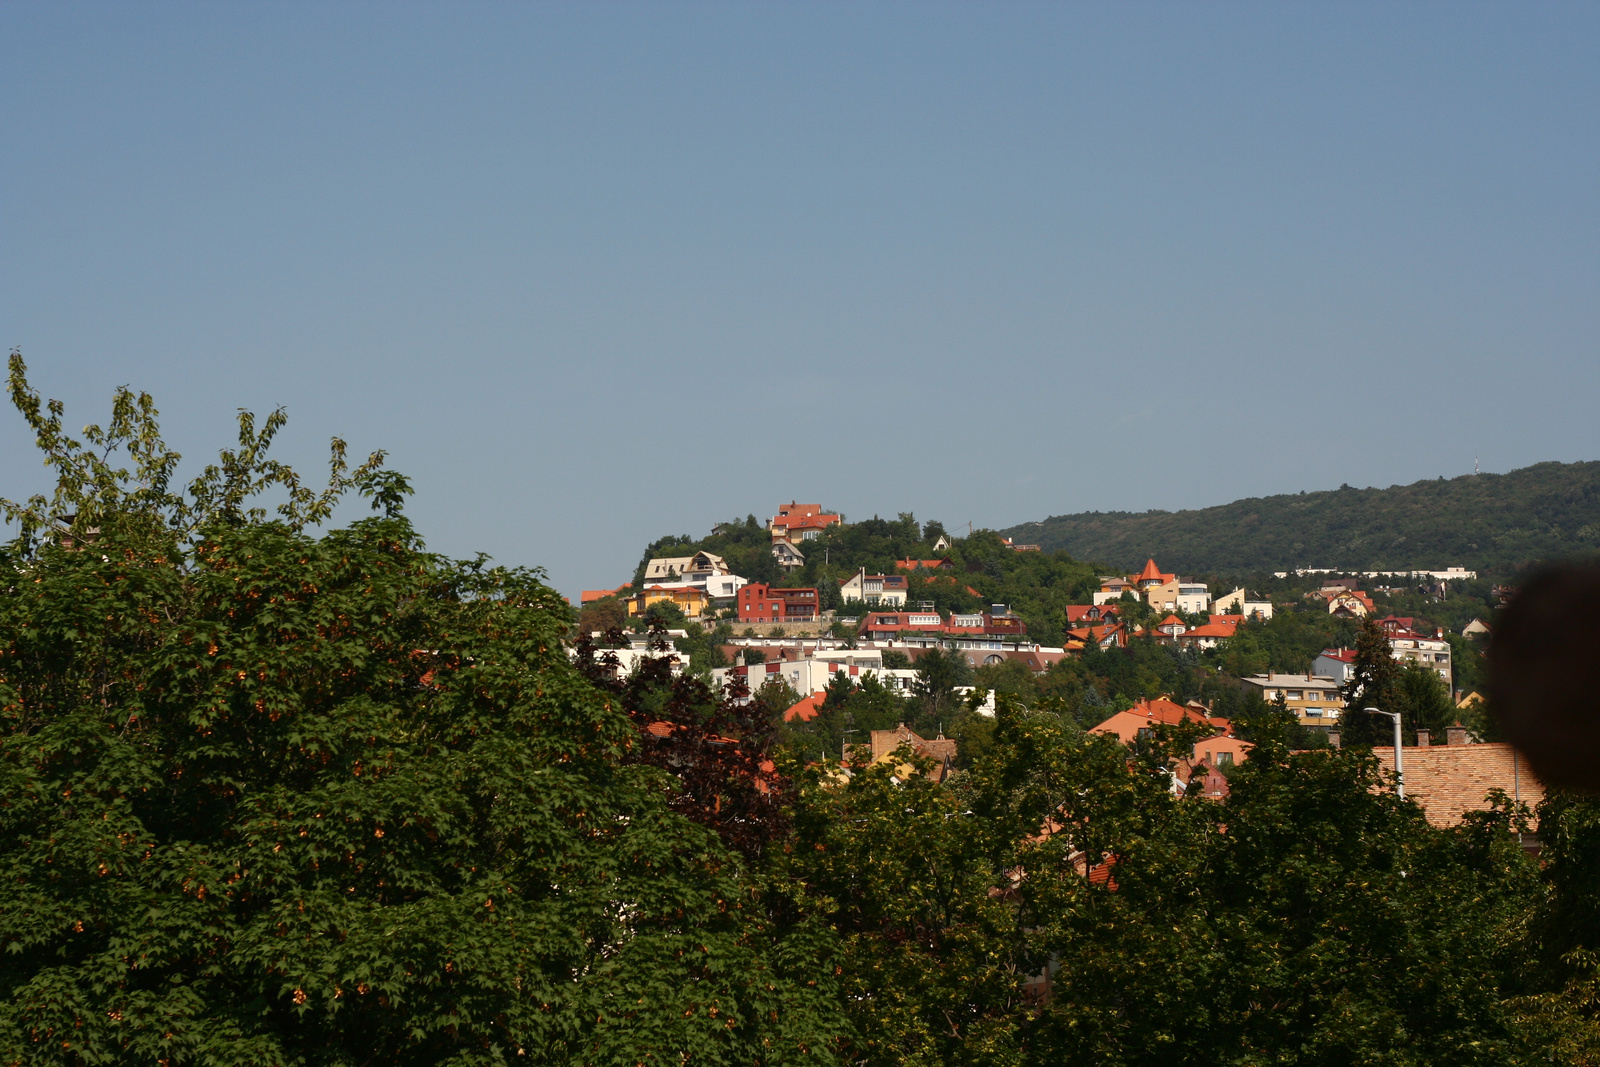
(807, 676)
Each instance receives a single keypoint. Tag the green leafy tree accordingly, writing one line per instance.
(598, 616)
(1373, 679)
(929, 953)
(939, 672)
(276, 798)
(1419, 694)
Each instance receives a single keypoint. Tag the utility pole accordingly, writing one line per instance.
(1399, 760)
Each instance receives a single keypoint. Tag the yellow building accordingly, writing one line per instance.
(1316, 700)
(691, 599)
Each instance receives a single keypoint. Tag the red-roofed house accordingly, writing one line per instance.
(800, 522)
(883, 625)
(1208, 636)
(922, 564)
(1350, 604)
(589, 596)
(1335, 663)
(1111, 635)
(1126, 725)
(1162, 591)
(1219, 750)
(1089, 614)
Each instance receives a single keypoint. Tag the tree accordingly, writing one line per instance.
(929, 952)
(283, 798)
(1422, 700)
(939, 672)
(1373, 677)
(601, 615)
(1310, 917)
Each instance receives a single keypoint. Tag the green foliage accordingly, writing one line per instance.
(598, 616)
(1488, 522)
(1286, 643)
(1374, 677)
(939, 672)
(1311, 917)
(283, 799)
(929, 954)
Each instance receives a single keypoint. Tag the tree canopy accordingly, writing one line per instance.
(282, 797)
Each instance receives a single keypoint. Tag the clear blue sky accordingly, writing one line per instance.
(594, 273)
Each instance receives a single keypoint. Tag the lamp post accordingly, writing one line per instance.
(1399, 760)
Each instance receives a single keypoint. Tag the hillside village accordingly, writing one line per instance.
(853, 633)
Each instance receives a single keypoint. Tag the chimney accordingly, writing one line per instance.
(1456, 735)
(1424, 739)
(1333, 738)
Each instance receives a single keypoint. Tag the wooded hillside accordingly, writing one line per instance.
(1487, 522)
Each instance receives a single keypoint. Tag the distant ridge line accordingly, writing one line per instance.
(1491, 523)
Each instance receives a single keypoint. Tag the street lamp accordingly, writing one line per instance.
(1399, 761)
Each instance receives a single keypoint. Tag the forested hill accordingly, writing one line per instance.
(1487, 522)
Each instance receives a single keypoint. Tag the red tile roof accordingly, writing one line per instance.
(1150, 572)
(590, 595)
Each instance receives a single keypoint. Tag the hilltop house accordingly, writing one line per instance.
(1162, 591)
(1344, 600)
(693, 569)
(1218, 629)
(800, 522)
(1411, 646)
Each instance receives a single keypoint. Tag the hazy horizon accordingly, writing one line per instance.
(593, 276)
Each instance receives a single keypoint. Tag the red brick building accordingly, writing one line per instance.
(760, 603)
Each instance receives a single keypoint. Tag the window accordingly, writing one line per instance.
(1224, 759)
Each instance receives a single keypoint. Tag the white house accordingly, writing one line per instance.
(788, 556)
(692, 569)
(875, 590)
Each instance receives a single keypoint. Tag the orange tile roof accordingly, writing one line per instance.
(1160, 711)
(1212, 629)
(1450, 780)
(1151, 571)
(588, 596)
(807, 708)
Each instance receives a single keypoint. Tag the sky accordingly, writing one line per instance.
(594, 274)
